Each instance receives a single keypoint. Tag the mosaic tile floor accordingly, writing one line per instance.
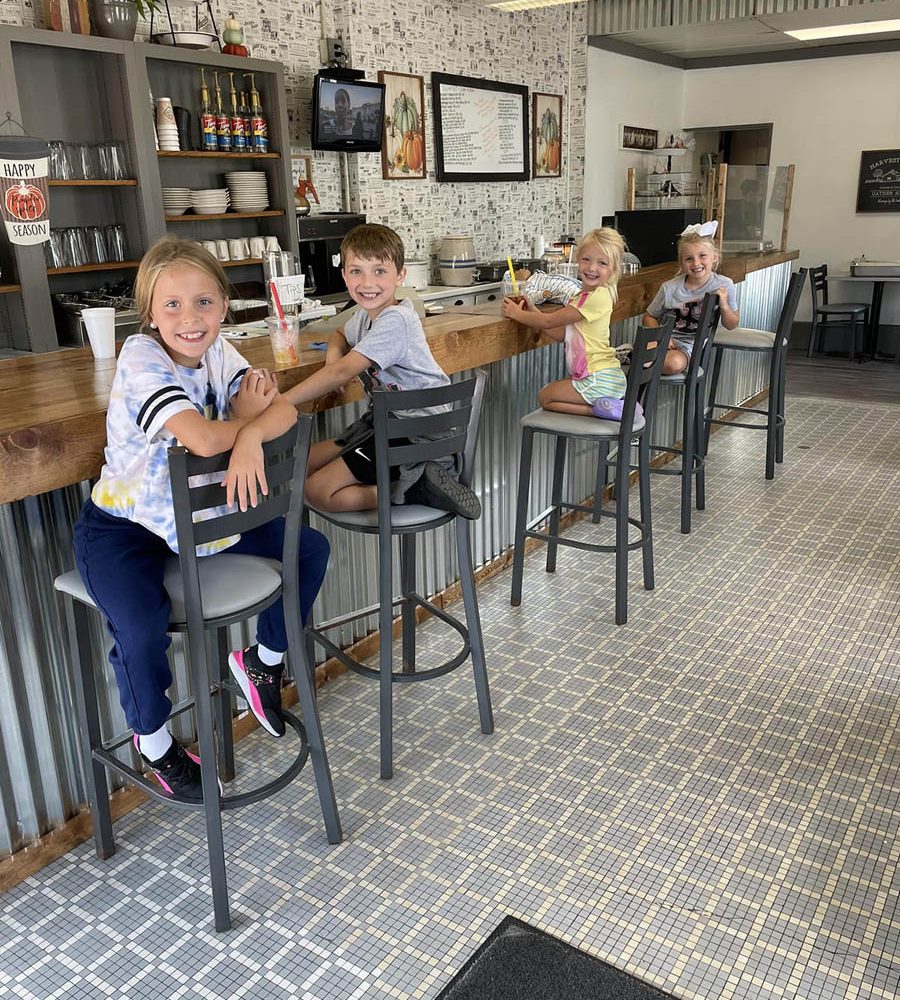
(707, 797)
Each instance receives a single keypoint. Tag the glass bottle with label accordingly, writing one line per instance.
(209, 141)
(223, 122)
(259, 126)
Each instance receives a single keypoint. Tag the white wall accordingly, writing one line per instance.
(824, 112)
(623, 91)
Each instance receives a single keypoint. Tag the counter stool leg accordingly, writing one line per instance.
(699, 431)
(559, 468)
(89, 734)
(225, 740)
(852, 345)
(600, 483)
(688, 447)
(473, 624)
(711, 399)
(408, 608)
(515, 598)
(646, 516)
(779, 440)
(621, 488)
(813, 333)
(385, 664)
(772, 415)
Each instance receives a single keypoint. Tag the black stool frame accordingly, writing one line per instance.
(643, 381)
(452, 432)
(285, 463)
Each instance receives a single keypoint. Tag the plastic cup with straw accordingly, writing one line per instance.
(284, 332)
(516, 296)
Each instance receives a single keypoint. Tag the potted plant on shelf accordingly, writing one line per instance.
(118, 18)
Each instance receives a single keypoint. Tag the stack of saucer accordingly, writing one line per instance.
(176, 201)
(248, 190)
(166, 130)
(210, 201)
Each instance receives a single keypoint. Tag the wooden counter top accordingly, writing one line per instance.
(53, 406)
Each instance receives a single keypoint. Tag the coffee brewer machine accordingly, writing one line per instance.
(320, 250)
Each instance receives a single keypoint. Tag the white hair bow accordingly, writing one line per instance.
(702, 228)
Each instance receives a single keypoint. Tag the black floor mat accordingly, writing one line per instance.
(518, 962)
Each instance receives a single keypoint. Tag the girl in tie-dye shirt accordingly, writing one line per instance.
(595, 375)
(179, 383)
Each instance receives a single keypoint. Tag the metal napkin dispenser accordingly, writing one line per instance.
(862, 268)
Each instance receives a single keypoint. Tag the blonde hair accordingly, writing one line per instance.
(373, 242)
(610, 242)
(695, 239)
(170, 251)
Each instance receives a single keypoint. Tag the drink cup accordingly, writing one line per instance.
(236, 250)
(285, 338)
(257, 246)
(100, 324)
(210, 247)
(222, 250)
(272, 245)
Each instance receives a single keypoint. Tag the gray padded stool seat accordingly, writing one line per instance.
(643, 379)
(773, 344)
(434, 435)
(210, 593)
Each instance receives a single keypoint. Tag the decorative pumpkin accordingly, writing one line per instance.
(549, 129)
(553, 155)
(414, 149)
(233, 36)
(25, 201)
(405, 116)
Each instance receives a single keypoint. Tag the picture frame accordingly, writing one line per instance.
(642, 140)
(546, 135)
(469, 142)
(403, 132)
(879, 181)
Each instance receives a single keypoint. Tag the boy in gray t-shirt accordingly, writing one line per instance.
(384, 344)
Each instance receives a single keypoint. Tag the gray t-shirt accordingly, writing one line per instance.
(395, 344)
(674, 296)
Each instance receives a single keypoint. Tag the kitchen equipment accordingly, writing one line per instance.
(457, 260)
(185, 39)
(301, 202)
(630, 264)
(491, 271)
(418, 274)
(652, 234)
(320, 249)
(70, 324)
(862, 268)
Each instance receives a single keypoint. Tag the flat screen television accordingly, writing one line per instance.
(347, 114)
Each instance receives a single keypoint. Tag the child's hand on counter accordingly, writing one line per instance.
(514, 306)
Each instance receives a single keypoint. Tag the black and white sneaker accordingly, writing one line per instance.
(439, 488)
(177, 771)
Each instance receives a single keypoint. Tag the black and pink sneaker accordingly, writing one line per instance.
(177, 771)
(261, 686)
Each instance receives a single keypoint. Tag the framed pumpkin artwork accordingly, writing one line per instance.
(403, 138)
(546, 135)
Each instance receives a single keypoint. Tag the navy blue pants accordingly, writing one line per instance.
(122, 565)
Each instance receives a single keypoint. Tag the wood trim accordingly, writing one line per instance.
(788, 197)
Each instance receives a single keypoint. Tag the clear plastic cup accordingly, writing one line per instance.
(285, 338)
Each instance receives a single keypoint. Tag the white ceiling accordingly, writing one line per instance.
(754, 36)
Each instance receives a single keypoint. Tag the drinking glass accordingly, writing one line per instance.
(85, 161)
(111, 156)
(96, 245)
(115, 242)
(75, 247)
(59, 167)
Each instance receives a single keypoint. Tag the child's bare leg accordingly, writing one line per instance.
(675, 361)
(563, 397)
(321, 453)
(333, 487)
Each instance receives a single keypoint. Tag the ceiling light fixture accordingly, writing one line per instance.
(513, 5)
(842, 30)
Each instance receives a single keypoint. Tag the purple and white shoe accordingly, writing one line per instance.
(261, 686)
(612, 409)
(177, 771)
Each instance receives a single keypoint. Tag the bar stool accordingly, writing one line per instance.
(212, 592)
(643, 380)
(453, 431)
(826, 315)
(693, 378)
(775, 344)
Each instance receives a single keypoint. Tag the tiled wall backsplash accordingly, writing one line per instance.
(544, 49)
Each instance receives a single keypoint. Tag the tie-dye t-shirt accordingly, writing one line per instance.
(149, 389)
(587, 342)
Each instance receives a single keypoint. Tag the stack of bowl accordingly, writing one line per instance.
(248, 189)
(176, 201)
(210, 201)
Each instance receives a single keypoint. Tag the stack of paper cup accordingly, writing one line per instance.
(100, 324)
(166, 130)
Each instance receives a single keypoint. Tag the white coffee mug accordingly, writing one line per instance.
(210, 247)
(100, 325)
(272, 244)
(222, 250)
(257, 246)
(237, 250)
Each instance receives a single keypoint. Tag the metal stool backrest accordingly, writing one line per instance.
(285, 459)
(644, 372)
(789, 309)
(454, 431)
(818, 286)
(710, 314)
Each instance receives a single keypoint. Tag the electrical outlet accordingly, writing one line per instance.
(335, 51)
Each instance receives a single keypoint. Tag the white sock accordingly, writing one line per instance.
(269, 657)
(154, 745)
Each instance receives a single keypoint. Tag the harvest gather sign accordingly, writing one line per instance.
(879, 181)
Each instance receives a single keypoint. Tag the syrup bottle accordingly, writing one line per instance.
(245, 118)
(209, 140)
(223, 122)
(238, 135)
(259, 126)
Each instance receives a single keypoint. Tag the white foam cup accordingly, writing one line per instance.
(100, 324)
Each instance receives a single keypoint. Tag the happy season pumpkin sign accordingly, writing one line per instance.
(24, 196)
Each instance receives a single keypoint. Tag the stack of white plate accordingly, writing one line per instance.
(210, 201)
(176, 201)
(248, 189)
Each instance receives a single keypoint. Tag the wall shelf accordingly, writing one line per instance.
(225, 215)
(111, 265)
(241, 263)
(202, 155)
(130, 182)
(7, 289)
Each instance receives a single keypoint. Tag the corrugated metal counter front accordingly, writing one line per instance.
(40, 770)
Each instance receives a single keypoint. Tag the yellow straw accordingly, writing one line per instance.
(512, 275)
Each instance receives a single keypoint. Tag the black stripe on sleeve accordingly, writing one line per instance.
(237, 375)
(158, 401)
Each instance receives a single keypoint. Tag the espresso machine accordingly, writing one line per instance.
(320, 250)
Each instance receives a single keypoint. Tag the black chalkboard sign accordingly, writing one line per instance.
(879, 181)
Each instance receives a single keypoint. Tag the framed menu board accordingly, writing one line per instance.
(879, 181)
(480, 129)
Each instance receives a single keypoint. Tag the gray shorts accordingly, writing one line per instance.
(686, 345)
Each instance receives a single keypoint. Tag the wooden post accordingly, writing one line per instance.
(629, 195)
(719, 204)
(786, 218)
